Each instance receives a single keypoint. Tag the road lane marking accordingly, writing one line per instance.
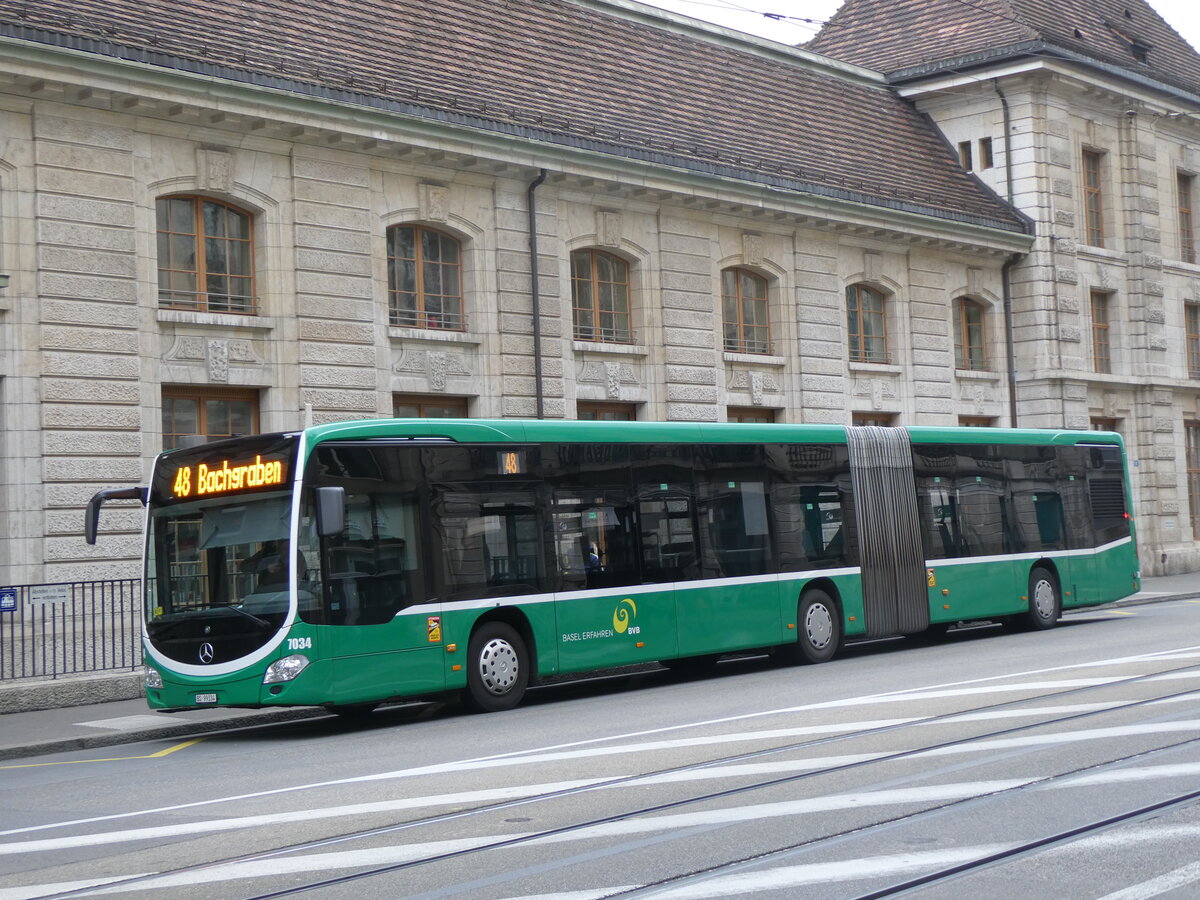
(1180, 877)
(312, 814)
(773, 879)
(1188, 652)
(80, 762)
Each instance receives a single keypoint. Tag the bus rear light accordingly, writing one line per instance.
(285, 669)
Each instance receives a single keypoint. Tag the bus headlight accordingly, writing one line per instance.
(151, 677)
(285, 669)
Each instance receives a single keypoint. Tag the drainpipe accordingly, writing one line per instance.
(1006, 270)
(535, 296)
(1009, 343)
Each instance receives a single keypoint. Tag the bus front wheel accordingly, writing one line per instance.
(819, 627)
(1045, 605)
(497, 668)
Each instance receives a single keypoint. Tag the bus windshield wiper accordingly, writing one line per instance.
(261, 623)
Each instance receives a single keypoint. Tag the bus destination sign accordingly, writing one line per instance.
(224, 477)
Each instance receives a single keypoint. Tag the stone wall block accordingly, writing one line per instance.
(52, 284)
(84, 210)
(79, 131)
(341, 332)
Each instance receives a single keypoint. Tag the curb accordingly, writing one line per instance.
(252, 718)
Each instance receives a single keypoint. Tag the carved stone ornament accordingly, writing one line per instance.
(434, 202)
(752, 249)
(608, 228)
(218, 361)
(214, 170)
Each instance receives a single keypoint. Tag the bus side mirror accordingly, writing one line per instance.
(91, 516)
(331, 511)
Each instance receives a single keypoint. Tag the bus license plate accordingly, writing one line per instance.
(206, 698)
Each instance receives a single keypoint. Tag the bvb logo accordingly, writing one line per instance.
(625, 613)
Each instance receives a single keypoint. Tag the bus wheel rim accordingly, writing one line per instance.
(818, 625)
(1043, 599)
(499, 666)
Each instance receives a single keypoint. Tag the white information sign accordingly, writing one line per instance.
(49, 593)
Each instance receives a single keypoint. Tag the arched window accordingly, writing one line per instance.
(867, 324)
(968, 335)
(744, 312)
(600, 297)
(205, 255)
(424, 279)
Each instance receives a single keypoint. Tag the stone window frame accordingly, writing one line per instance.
(1191, 442)
(1185, 205)
(422, 317)
(755, 414)
(964, 359)
(435, 406)
(855, 324)
(737, 341)
(597, 411)
(1093, 179)
(1191, 330)
(594, 331)
(203, 394)
(1101, 305)
(203, 302)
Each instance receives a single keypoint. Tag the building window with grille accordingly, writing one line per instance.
(976, 422)
(1102, 423)
(968, 335)
(214, 413)
(750, 414)
(605, 412)
(1191, 431)
(1187, 232)
(205, 255)
(1101, 338)
(1093, 197)
(744, 312)
(882, 420)
(424, 279)
(419, 406)
(1191, 325)
(867, 324)
(600, 298)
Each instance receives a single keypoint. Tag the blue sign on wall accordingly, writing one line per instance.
(8, 599)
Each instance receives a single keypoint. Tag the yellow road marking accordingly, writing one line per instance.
(76, 762)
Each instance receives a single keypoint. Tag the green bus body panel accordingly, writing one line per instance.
(424, 650)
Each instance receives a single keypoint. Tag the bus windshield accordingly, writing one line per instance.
(218, 560)
(218, 565)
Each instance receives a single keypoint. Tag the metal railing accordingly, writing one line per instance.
(50, 630)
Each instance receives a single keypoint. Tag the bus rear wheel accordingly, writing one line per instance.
(497, 668)
(819, 627)
(1045, 605)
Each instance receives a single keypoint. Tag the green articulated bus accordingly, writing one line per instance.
(350, 564)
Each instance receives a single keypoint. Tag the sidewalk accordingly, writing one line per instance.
(115, 722)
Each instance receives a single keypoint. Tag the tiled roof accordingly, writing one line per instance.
(558, 72)
(893, 35)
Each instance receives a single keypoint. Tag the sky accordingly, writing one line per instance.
(748, 16)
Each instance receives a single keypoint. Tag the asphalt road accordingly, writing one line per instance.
(1060, 765)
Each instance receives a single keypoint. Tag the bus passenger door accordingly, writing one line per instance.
(606, 616)
(383, 639)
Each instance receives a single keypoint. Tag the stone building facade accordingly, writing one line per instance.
(676, 175)
(1088, 120)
